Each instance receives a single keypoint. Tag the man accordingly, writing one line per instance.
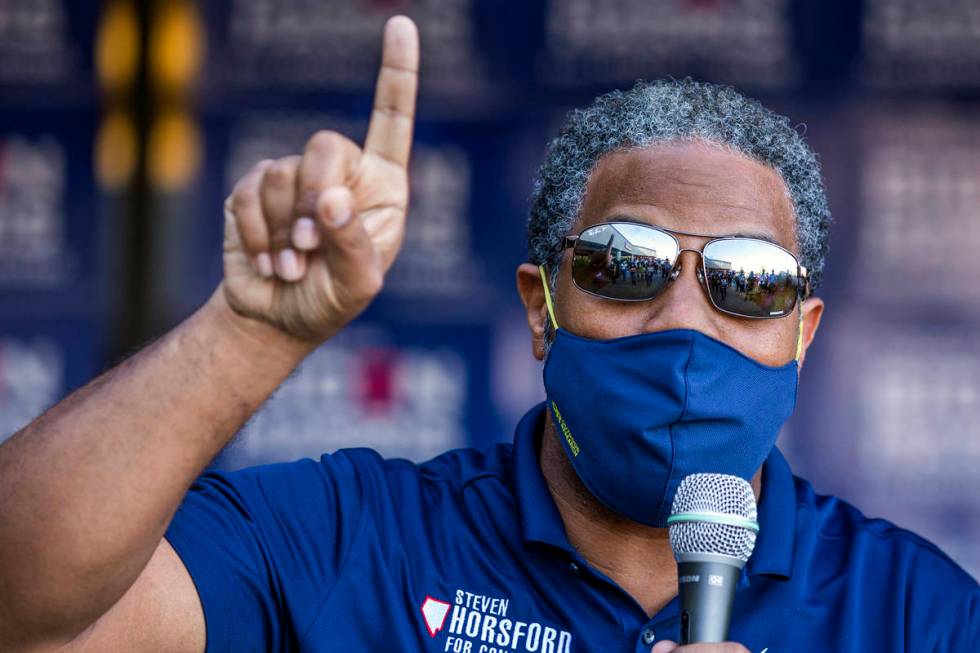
(551, 545)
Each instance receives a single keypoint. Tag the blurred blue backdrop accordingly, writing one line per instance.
(124, 124)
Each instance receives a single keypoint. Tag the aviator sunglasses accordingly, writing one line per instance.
(743, 276)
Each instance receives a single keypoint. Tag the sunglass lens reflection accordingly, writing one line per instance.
(623, 261)
(751, 277)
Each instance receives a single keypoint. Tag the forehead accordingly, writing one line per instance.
(692, 187)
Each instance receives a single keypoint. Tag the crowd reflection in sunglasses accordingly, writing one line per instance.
(628, 276)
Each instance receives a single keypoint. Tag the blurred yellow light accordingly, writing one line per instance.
(117, 46)
(176, 45)
(174, 151)
(115, 151)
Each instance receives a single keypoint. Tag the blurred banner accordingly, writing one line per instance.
(126, 123)
(52, 290)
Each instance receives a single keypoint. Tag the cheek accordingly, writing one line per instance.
(771, 342)
(590, 316)
(594, 317)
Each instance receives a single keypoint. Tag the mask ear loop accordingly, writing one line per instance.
(799, 339)
(550, 304)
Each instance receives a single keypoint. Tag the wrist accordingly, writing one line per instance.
(253, 337)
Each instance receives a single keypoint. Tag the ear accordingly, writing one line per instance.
(532, 295)
(812, 313)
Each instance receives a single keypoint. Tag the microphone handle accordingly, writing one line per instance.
(707, 592)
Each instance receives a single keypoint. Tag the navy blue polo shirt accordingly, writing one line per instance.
(467, 554)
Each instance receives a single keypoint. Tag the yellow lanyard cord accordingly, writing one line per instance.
(547, 296)
(799, 340)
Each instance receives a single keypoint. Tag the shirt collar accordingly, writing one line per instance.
(773, 555)
(541, 521)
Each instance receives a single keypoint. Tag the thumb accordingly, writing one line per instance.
(347, 247)
(664, 647)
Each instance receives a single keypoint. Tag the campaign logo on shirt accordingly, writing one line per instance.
(435, 612)
(482, 624)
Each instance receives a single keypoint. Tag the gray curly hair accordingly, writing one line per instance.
(674, 110)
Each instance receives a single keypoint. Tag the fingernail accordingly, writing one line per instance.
(304, 234)
(288, 267)
(264, 263)
(338, 209)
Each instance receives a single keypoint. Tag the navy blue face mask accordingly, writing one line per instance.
(638, 414)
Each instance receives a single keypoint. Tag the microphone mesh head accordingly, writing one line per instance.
(713, 493)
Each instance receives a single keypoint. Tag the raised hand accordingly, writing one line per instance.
(309, 238)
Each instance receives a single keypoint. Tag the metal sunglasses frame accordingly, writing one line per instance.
(702, 272)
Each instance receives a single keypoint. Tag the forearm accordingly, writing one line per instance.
(87, 489)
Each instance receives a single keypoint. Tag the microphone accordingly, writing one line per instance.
(712, 529)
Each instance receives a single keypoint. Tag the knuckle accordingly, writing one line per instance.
(241, 202)
(325, 141)
(259, 169)
(279, 174)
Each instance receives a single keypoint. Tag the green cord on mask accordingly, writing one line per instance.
(547, 296)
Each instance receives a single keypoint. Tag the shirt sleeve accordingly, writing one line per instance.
(962, 633)
(265, 546)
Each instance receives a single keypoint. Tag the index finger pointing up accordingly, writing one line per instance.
(392, 119)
